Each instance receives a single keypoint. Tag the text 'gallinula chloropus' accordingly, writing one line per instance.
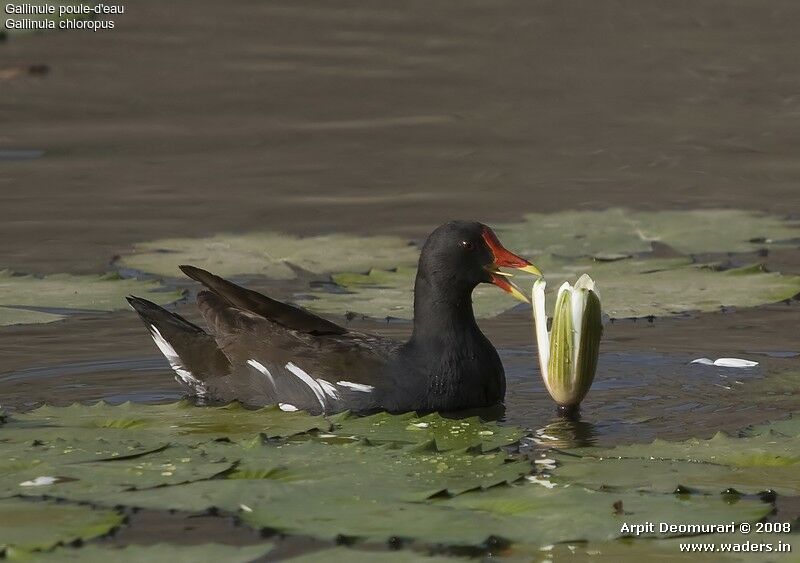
(261, 351)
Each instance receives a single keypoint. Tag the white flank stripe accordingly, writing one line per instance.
(308, 380)
(356, 386)
(175, 362)
(287, 407)
(263, 369)
(329, 389)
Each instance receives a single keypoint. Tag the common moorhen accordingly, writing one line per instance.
(261, 351)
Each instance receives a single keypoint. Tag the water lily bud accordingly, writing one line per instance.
(568, 354)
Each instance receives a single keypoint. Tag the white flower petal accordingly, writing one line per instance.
(735, 363)
(39, 482)
(540, 321)
(726, 362)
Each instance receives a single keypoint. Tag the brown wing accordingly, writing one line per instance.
(276, 364)
(278, 312)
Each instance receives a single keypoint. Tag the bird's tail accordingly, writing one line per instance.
(192, 353)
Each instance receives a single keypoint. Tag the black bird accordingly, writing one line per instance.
(261, 351)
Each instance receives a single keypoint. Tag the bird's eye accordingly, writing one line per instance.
(467, 245)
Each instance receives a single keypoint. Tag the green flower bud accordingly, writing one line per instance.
(568, 354)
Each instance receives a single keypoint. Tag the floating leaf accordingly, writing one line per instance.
(381, 293)
(630, 288)
(270, 254)
(641, 287)
(353, 555)
(768, 459)
(620, 232)
(161, 552)
(29, 526)
(376, 477)
(176, 421)
(384, 473)
(446, 433)
(345, 506)
(65, 292)
(171, 465)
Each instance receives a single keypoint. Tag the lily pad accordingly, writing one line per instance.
(271, 254)
(623, 232)
(390, 293)
(358, 556)
(161, 552)
(65, 292)
(374, 478)
(635, 287)
(166, 466)
(382, 472)
(445, 433)
(31, 526)
(769, 459)
(176, 422)
(342, 506)
(661, 287)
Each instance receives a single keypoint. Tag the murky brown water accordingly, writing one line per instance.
(198, 117)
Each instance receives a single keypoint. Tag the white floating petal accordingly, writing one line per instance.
(39, 482)
(726, 362)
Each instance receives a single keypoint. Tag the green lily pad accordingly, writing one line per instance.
(716, 548)
(623, 232)
(271, 254)
(358, 556)
(89, 480)
(383, 472)
(176, 422)
(445, 433)
(9, 316)
(769, 459)
(390, 293)
(641, 287)
(789, 427)
(633, 287)
(161, 552)
(66, 291)
(30, 526)
(342, 505)
(374, 478)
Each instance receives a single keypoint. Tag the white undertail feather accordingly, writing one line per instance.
(263, 369)
(356, 386)
(329, 389)
(184, 375)
(287, 407)
(310, 381)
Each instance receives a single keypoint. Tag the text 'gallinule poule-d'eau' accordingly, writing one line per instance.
(260, 351)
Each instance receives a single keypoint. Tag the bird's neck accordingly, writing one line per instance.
(442, 312)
